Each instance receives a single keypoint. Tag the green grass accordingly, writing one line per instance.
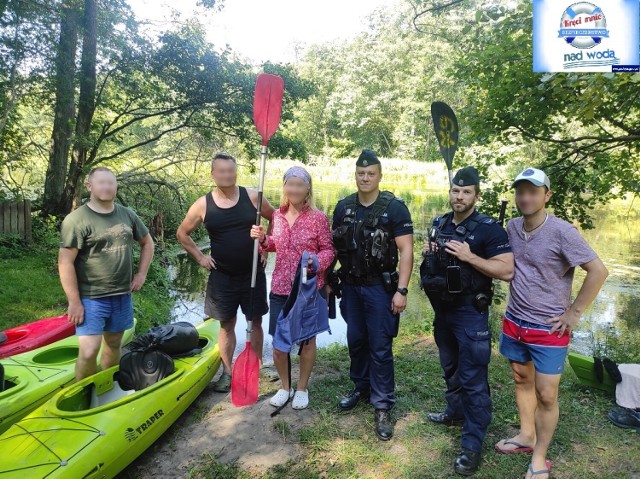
(344, 445)
(30, 288)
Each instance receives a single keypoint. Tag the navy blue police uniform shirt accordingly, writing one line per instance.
(486, 240)
(396, 219)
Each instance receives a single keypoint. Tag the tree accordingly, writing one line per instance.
(583, 128)
(54, 199)
(86, 107)
(27, 29)
(135, 94)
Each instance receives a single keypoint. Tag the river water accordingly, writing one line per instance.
(614, 315)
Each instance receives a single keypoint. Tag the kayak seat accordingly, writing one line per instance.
(3, 337)
(141, 369)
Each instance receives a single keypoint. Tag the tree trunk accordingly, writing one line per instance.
(86, 107)
(53, 203)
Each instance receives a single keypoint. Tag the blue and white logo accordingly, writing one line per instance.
(591, 36)
(583, 25)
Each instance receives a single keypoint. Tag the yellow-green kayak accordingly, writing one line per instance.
(33, 377)
(584, 368)
(94, 429)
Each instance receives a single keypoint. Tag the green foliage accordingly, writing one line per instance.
(166, 104)
(373, 92)
(582, 129)
(30, 287)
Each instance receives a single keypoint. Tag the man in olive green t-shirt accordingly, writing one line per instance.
(95, 263)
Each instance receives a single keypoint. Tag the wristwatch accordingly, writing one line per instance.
(403, 291)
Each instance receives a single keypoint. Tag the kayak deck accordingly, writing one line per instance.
(37, 334)
(94, 429)
(33, 377)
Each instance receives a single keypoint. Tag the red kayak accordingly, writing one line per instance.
(34, 335)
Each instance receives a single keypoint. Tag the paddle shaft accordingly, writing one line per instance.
(503, 211)
(256, 246)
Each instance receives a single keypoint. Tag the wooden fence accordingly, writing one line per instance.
(15, 219)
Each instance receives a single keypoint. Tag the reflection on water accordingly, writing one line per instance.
(611, 324)
(616, 310)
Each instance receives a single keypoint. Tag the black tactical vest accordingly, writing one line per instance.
(365, 247)
(433, 270)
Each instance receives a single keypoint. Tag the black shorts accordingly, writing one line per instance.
(276, 303)
(225, 293)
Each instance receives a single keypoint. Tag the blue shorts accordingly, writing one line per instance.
(112, 314)
(522, 341)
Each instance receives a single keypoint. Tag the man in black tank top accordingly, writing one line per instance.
(228, 212)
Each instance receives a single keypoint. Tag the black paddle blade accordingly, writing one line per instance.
(445, 124)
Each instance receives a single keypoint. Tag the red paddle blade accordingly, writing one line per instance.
(267, 105)
(245, 377)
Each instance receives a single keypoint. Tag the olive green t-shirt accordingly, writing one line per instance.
(104, 265)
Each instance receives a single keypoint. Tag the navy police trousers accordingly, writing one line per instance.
(464, 343)
(371, 327)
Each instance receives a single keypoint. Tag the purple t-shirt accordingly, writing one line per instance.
(545, 263)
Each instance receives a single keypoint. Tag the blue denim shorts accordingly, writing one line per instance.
(112, 314)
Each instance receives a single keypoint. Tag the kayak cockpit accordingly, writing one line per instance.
(14, 336)
(101, 392)
(57, 355)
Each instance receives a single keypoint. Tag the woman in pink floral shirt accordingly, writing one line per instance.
(296, 226)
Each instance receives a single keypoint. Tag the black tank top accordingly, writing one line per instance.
(231, 245)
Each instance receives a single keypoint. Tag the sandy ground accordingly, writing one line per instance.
(230, 434)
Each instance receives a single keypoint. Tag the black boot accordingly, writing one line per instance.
(384, 425)
(467, 462)
(445, 419)
(349, 402)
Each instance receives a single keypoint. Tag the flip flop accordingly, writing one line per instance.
(519, 449)
(541, 471)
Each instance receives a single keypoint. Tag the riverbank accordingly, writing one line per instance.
(214, 439)
(30, 287)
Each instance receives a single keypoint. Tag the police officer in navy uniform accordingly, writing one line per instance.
(373, 236)
(465, 251)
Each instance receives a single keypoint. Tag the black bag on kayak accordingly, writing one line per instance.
(141, 369)
(175, 339)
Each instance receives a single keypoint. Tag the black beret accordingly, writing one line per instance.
(466, 177)
(367, 158)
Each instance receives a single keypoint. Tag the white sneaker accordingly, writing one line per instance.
(280, 397)
(300, 400)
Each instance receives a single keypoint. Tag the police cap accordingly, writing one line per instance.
(467, 176)
(367, 158)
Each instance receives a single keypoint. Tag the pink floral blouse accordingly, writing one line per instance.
(311, 232)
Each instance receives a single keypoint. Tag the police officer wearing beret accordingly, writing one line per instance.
(373, 236)
(465, 251)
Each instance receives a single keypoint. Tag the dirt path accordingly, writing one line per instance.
(213, 426)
